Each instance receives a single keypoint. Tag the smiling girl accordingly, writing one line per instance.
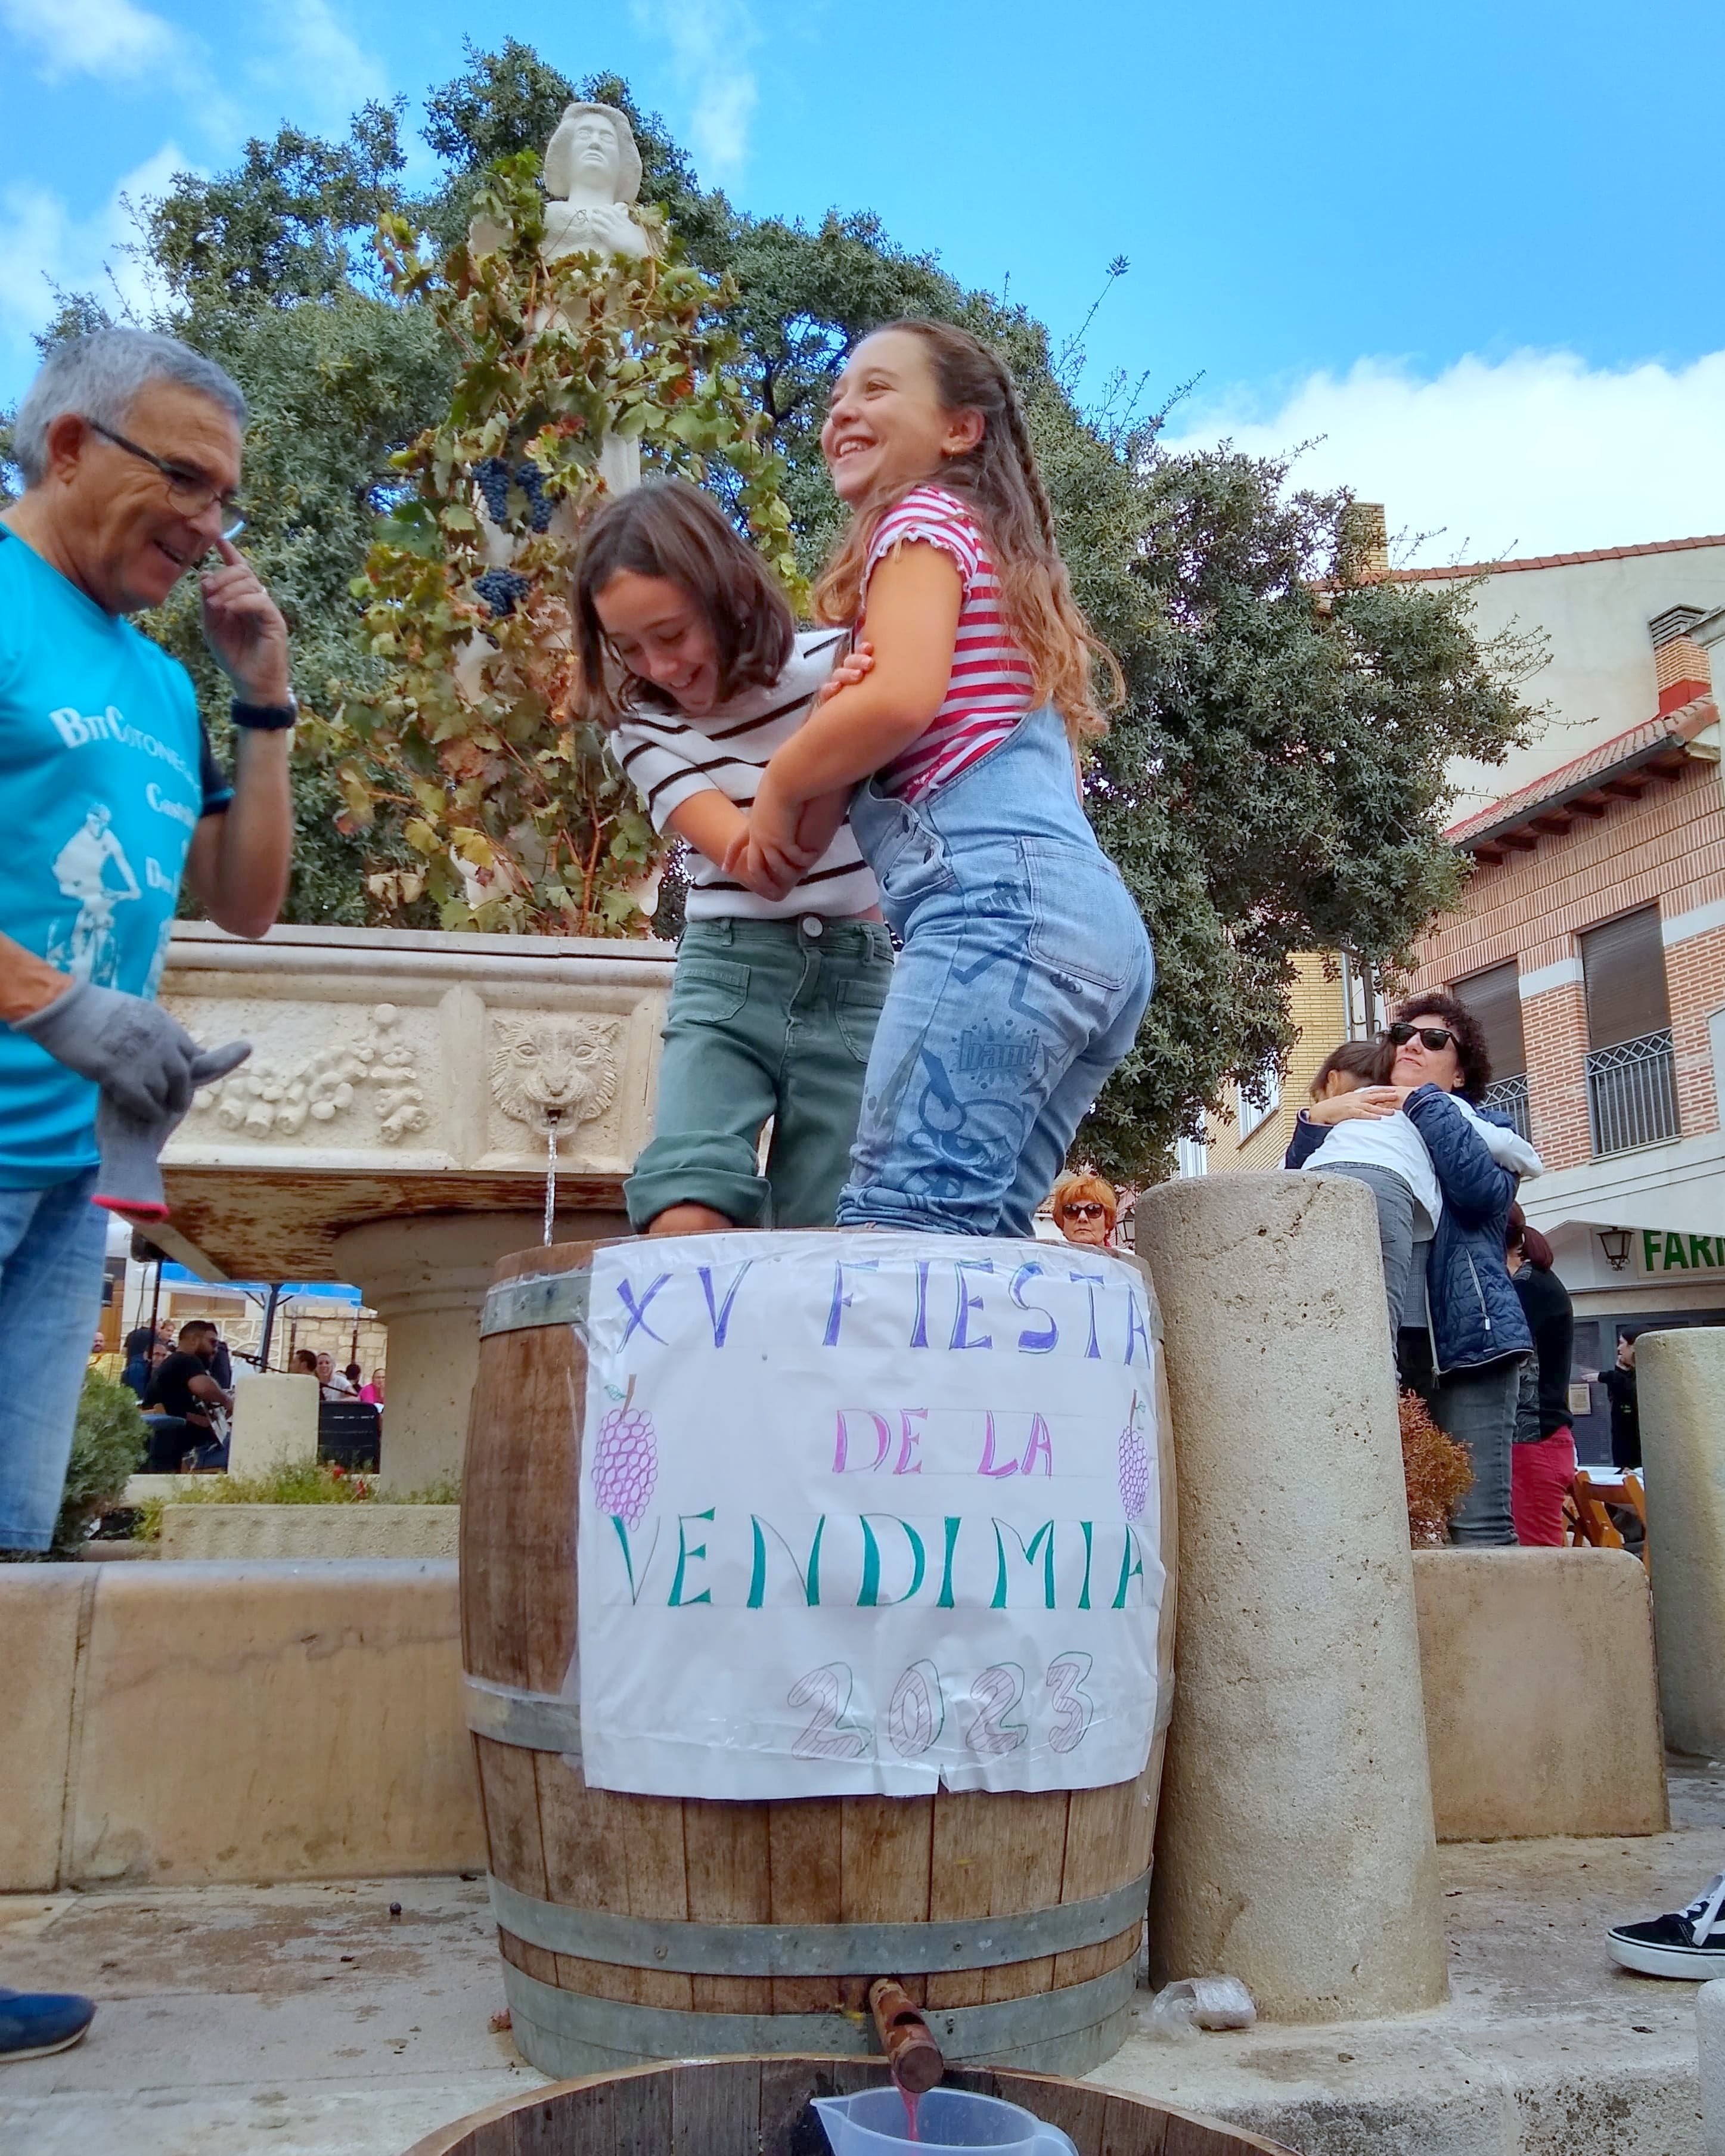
(1026, 968)
(689, 650)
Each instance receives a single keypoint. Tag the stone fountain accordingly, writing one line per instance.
(392, 1127)
(406, 1089)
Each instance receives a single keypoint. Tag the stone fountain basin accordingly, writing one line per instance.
(391, 1126)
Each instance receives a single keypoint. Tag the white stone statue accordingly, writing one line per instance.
(593, 175)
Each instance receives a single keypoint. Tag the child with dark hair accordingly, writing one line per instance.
(689, 656)
(1357, 1126)
(1354, 1064)
(1443, 1172)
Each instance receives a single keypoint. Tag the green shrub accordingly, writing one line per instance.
(108, 1441)
(297, 1482)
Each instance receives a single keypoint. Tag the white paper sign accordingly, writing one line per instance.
(867, 1514)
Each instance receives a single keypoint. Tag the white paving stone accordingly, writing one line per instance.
(231, 2024)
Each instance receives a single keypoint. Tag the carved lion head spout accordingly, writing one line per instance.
(542, 1065)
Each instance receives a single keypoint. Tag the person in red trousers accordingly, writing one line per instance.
(1543, 1458)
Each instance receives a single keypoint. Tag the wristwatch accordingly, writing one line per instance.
(265, 718)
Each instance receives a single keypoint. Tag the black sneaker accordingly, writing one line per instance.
(33, 2023)
(1692, 1944)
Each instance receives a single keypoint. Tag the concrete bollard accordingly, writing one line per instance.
(1680, 1384)
(1296, 1849)
(274, 1422)
(1709, 2033)
(426, 1276)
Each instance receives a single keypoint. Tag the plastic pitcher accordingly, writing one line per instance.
(876, 2123)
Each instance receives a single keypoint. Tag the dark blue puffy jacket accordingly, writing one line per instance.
(1473, 1312)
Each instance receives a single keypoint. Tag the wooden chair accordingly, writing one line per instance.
(1587, 1518)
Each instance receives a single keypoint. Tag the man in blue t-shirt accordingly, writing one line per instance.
(129, 445)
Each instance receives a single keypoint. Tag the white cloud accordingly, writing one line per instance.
(316, 68)
(111, 38)
(1535, 453)
(43, 245)
(710, 41)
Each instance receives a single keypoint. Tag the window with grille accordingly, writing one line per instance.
(1631, 1078)
(1622, 965)
(1495, 998)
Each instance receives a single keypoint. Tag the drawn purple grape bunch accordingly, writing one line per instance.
(625, 1462)
(1134, 1467)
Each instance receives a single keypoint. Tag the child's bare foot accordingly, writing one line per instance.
(689, 1219)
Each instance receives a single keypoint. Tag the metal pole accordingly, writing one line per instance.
(156, 1298)
(275, 1297)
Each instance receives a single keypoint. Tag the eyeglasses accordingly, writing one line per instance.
(189, 491)
(1087, 1211)
(1434, 1037)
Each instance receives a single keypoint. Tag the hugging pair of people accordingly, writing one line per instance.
(1403, 1114)
(910, 766)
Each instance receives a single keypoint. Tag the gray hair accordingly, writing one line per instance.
(99, 376)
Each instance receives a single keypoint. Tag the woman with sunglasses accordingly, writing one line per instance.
(1465, 1358)
(1085, 1210)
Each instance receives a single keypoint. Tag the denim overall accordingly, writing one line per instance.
(1024, 973)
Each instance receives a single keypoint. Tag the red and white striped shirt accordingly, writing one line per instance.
(991, 687)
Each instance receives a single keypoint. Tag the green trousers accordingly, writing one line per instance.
(767, 1018)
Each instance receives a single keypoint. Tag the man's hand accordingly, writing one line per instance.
(147, 1063)
(245, 629)
(129, 1180)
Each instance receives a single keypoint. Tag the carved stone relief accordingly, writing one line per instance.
(278, 1096)
(545, 1069)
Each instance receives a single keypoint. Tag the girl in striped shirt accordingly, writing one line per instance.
(689, 652)
(1026, 968)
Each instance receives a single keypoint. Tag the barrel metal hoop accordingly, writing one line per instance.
(819, 1949)
(522, 1305)
(531, 1721)
(962, 2032)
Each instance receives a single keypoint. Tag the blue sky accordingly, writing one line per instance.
(1471, 249)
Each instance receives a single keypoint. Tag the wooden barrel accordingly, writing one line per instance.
(761, 2107)
(641, 1927)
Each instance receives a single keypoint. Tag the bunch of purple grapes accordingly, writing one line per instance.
(492, 478)
(1134, 1466)
(499, 589)
(530, 480)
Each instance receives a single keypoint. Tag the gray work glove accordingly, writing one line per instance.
(146, 1063)
(130, 1146)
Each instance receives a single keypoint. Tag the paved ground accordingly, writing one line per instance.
(306, 2022)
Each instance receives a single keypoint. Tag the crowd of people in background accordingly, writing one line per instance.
(185, 1385)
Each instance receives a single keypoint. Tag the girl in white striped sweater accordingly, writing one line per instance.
(692, 658)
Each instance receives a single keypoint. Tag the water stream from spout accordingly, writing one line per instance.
(551, 1118)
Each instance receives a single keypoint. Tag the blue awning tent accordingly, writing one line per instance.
(176, 1275)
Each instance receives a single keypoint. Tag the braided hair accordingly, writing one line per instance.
(999, 480)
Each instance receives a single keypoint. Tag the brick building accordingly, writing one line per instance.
(1329, 1001)
(1590, 939)
(1591, 942)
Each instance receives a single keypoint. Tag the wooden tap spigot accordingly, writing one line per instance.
(912, 2056)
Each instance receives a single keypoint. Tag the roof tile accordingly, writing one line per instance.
(1554, 560)
(1676, 728)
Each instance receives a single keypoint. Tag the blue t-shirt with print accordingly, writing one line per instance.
(105, 770)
